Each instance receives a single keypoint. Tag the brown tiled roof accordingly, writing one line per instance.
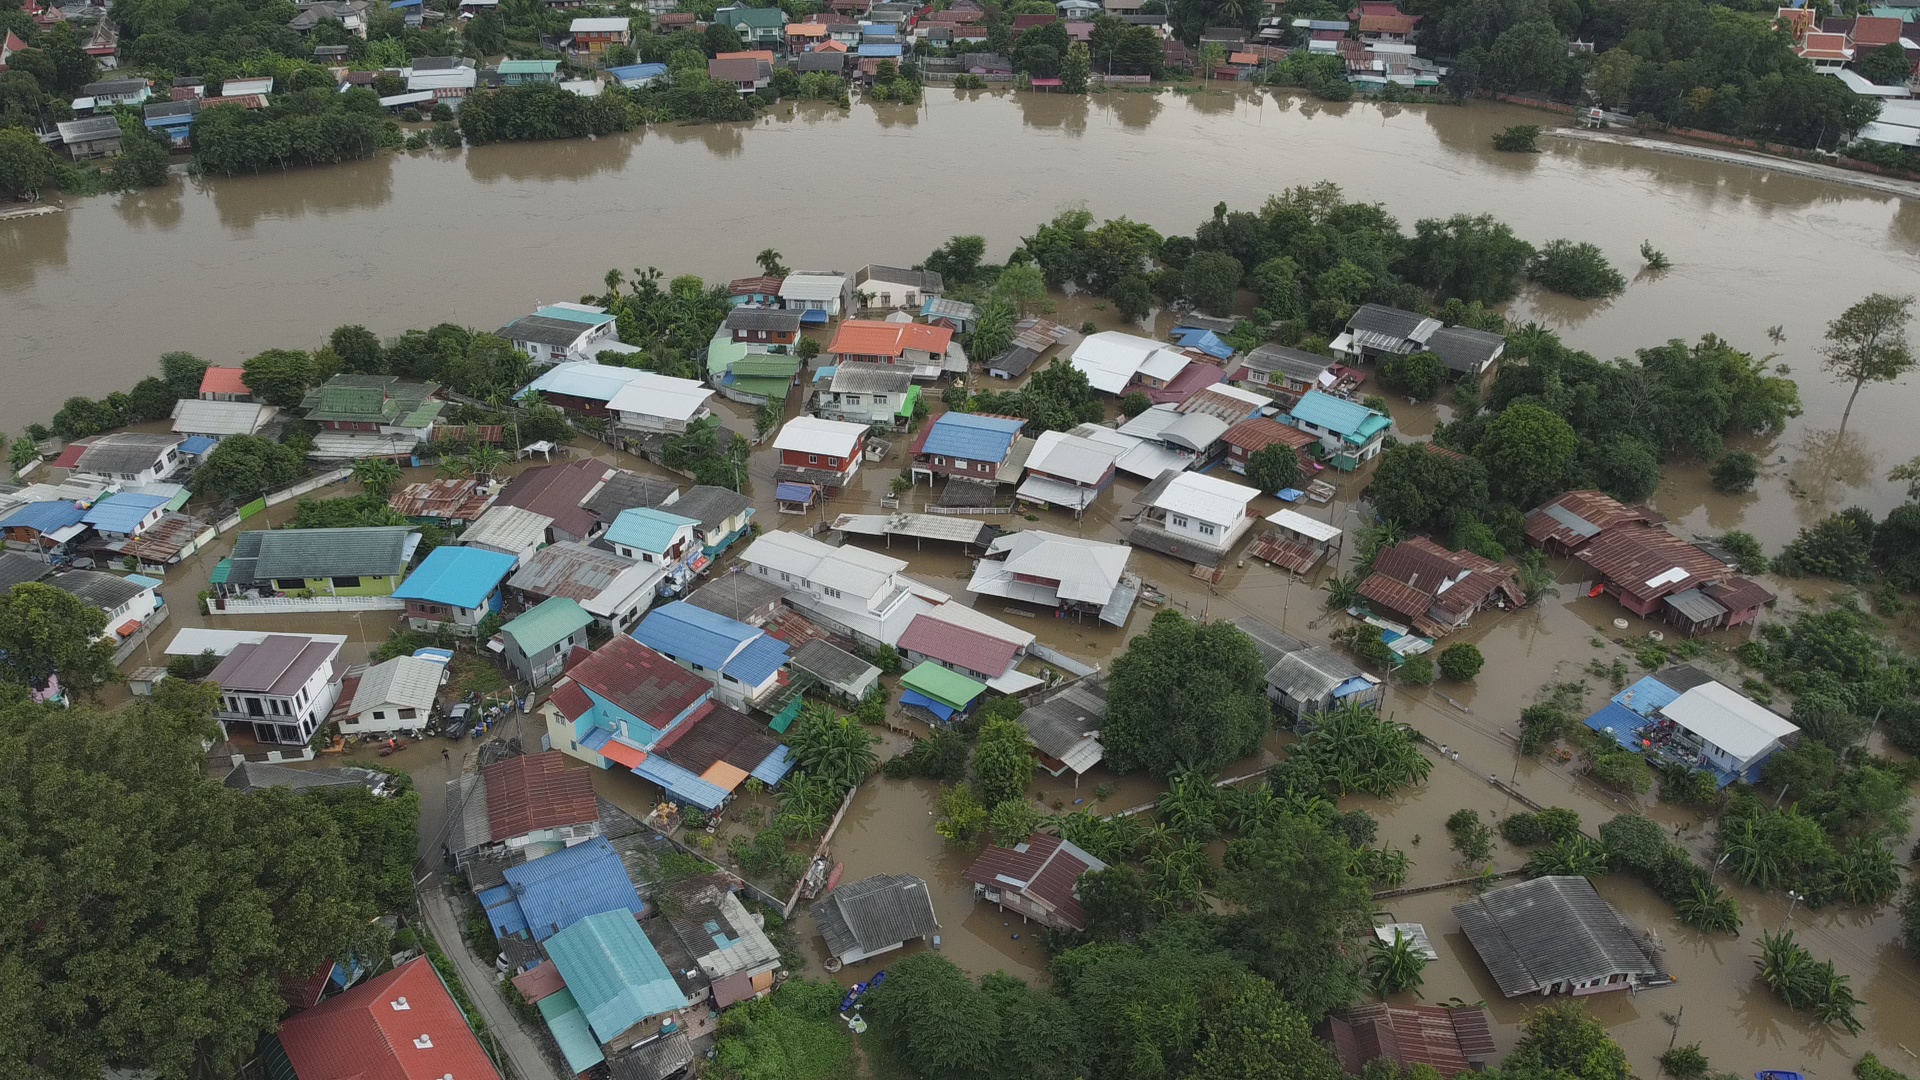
(1451, 1040)
(720, 734)
(537, 791)
(1261, 432)
(1598, 510)
(557, 491)
(1044, 868)
(1632, 557)
(1739, 594)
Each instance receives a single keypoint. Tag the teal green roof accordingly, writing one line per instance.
(614, 972)
(647, 529)
(723, 353)
(528, 67)
(766, 365)
(947, 687)
(221, 572)
(547, 624)
(569, 1026)
(760, 18)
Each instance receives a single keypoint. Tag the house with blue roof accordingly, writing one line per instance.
(743, 662)
(544, 896)
(883, 49)
(658, 538)
(1684, 715)
(1350, 432)
(618, 990)
(974, 446)
(1205, 341)
(124, 514)
(44, 527)
(458, 586)
(584, 387)
(634, 76)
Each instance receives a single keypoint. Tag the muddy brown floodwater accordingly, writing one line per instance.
(227, 268)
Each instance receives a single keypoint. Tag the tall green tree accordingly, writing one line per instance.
(936, 1018)
(795, 1034)
(1300, 907)
(1185, 696)
(46, 632)
(1076, 68)
(1868, 343)
(1210, 280)
(281, 376)
(246, 467)
(1274, 467)
(182, 372)
(25, 164)
(1562, 1041)
(1002, 761)
(1260, 1033)
(359, 350)
(1527, 452)
(1472, 257)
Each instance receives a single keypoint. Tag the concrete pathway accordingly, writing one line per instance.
(521, 1049)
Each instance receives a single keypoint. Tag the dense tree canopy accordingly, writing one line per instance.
(1185, 695)
(46, 632)
(245, 467)
(1300, 904)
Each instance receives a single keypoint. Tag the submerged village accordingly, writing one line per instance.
(873, 672)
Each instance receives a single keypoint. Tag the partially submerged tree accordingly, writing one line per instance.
(1868, 343)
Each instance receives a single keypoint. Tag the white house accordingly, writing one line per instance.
(276, 687)
(1111, 359)
(877, 395)
(1059, 572)
(1732, 732)
(893, 287)
(651, 402)
(818, 295)
(822, 452)
(395, 696)
(129, 457)
(128, 602)
(657, 538)
(851, 589)
(615, 590)
(557, 333)
(219, 419)
(1193, 516)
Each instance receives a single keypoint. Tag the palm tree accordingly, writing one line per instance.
(769, 261)
(839, 750)
(1191, 807)
(1381, 534)
(1394, 968)
(1343, 591)
(1573, 857)
(613, 280)
(458, 467)
(486, 461)
(1785, 966)
(1535, 578)
(376, 476)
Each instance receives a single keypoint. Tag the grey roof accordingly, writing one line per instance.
(1682, 678)
(626, 490)
(709, 505)
(924, 280)
(435, 63)
(18, 567)
(738, 70)
(1014, 361)
(1311, 673)
(467, 825)
(171, 108)
(89, 129)
(762, 318)
(113, 86)
(656, 1060)
(260, 775)
(875, 913)
(858, 377)
(715, 926)
(1576, 524)
(1464, 349)
(1380, 319)
(1057, 724)
(1695, 605)
(543, 330)
(97, 587)
(189, 80)
(404, 681)
(269, 554)
(737, 596)
(1272, 643)
(279, 664)
(126, 452)
(569, 569)
(831, 665)
(1293, 363)
(832, 63)
(1553, 930)
(986, 61)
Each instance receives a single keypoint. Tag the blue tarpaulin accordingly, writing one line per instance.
(1290, 494)
(787, 491)
(1205, 340)
(912, 697)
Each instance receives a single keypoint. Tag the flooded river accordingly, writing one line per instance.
(227, 268)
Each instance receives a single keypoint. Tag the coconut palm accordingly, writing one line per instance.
(376, 476)
(1785, 966)
(1343, 591)
(457, 467)
(1392, 969)
(836, 749)
(1710, 910)
(1574, 856)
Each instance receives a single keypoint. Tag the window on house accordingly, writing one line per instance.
(854, 399)
(409, 714)
(346, 583)
(1179, 521)
(784, 576)
(813, 459)
(1206, 529)
(878, 399)
(834, 461)
(939, 461)
(835, 593)
(379, 714)
(886, 299)
(962, 463)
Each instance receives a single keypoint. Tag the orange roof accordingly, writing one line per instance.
(753, 54)
(724, 776)
(831, 46)
(1826, 47)
(1242, 58)
(1876, 30)
(806, 30)
(867, 337)
(224, 380)
(624, 754)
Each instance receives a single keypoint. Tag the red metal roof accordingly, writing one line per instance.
(70, 456)
(556, 491)
(867, 337)
(540, 982)
(537, 791)
(648, 686)
(572, 701)
(1261, 432)
(224, 380)
(959, 645)
(400, 1026)
(1388, 24)
(1451, 1040)
(1739, 594)
(1633, 557)
(1599, 510)
(1046, 870)
(1193, 378)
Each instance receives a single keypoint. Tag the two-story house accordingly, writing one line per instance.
(759, 291)
(876, 395)
(127, 457)
(1281, 373)
(893, 287)
(128, 602)
(762, 328)
(596, 36)
(560, 493)
(824, 453)
(1194, 517)
(746, 74)
(1375, 331)
(556, 333)
(615, 590)
(362, 416)
(655, 404)
(744, 663)
(657, 538)
(976, 446)
(1350, 432)
(758, 27)
(854, 591)
(917, 346)
(537, 642)
(278, 688)
(455, 586)
(109, 93)
(528, 72)
(1067, 471)
(818, 295)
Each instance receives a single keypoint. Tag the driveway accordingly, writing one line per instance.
(521, 1049)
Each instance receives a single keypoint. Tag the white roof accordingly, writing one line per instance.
(459, 78)
(812, 435)
(1087, 570)
(1164, 365)
(1074, 457)
(582, 87)
(649, 393)
(1150, 424)
(811, 285)
(191, 416)
(512, 529)
(599, 25)
(1238, 393)
(194, 640)
(1297, 522)
(849, 569)
(404, 682)
(961, 615)
(1056, 493)
(1864, 86)
(234, 87)
(1205, 498)
(1110, 359)
(1718, 714)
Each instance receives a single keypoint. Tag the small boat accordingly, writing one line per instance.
(1777, 1074)
(816, 878)
(833, 881)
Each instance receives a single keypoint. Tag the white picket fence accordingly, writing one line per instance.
(276, 605)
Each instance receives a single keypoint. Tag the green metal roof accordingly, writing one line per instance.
(546, 624)
(367, 551)
(947, 687)
(528, 67)
(722, 354)
(767, 388)
(614, 972)
(366, 397)
(766, 365)
(220, 572)
(906, 404)
(569, 1027)
(762, 18)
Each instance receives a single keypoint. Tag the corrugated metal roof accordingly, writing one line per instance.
(875, 913)
(1349, 419)
(537, 791)
(122, 512)
(958, 645)
(711, 640)
(832, 665)
(404, 681)
(44, 517)
(460, 577)
(568, 1025)
(361, 1034)
(680, 784)
(594, 382)
(546, 624)
(948, 687)
(639, 682)
(557, 891)
(1043, 868)
(1553, 930)
(647, 529)
(971, 436)
(192, 416)
(507, 528)
(270, 554)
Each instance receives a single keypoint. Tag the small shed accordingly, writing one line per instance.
(840, 671)
(792, 497)
(943, 692)
(1296, 542)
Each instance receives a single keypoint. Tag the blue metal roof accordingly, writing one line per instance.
(1349, 419)
(885, 52)
(679, 783)
(647, 529)
(122, 513)
(1622, 720)
(198, 444)
(638, 71)
(613, 972)
(1646, 696)
(558, 890)
(786, 491)
(775, 768)
(1205, 340)
(972, 437)
(461, 577)
(44, 516)
(503, 911)
(914, 697)
(596, 382)
(711, 640)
